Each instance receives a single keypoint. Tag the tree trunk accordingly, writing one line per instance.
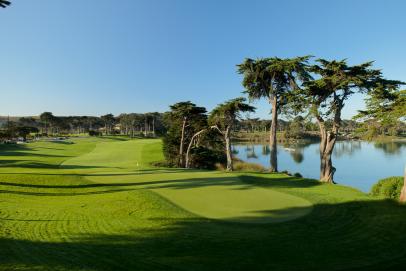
(403, 193)
(228, 149)
(153, 127)
(187, 162)
(327, 142)
(182, 138)
(272, 135)
(146, 127)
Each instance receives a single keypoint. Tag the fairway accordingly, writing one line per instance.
(98, 204)
(208, 194)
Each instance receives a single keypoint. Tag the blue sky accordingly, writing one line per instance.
(103, 56)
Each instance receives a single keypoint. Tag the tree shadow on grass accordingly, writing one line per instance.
(42, 165)
(22, 150)
(357, 235)
(234, 182)
(263, 180)
(136, 172)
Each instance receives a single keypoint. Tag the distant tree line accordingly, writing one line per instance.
(46, 124)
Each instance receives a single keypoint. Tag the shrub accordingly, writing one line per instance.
(244, 166)
(94, 133)
(298, 175)
(206, 158)
(388, 188)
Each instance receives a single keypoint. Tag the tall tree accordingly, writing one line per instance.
(4, 3)
(46, 119)
(386, 108)
(28, 122)
(108, 120)
(273, 79)
(184, 113)
(224, 116)
(326, 97)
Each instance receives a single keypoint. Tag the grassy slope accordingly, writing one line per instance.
(69, 207)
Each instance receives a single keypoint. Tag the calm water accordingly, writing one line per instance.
(359, 164)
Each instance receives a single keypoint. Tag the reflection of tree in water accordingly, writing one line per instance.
(297, 156)
(346, 148)
(298, 153)
(234, 150)
(251, 152)
(266, 150)
(393, 147)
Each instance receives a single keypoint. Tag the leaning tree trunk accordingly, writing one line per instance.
(228, 149)
(182, 139)
(272, 136)
(327, 142)
(403, 193)
(191, 143)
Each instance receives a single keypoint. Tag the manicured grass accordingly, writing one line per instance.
(97, 204)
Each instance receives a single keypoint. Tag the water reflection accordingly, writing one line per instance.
(343, 148)
(251, 153)
(297, 156)
(266, 150)
(393, 147)
(359, 164)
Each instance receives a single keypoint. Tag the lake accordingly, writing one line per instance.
(359, 164)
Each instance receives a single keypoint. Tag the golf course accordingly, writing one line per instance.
(98, 203)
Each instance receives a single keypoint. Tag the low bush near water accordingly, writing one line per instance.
(244, 166)
(388, 188)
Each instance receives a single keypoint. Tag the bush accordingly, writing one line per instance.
(244, 166)
(206, 158)
(388, 188)
(298, 175)
(94, 133)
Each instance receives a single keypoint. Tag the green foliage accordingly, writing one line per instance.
(94, 133)
(385, 112)
(226, 114)
(336, 82)
(4, 3)
(210, 148)
(296, 128)
(388, 188)
(206, 158)
(268, 77)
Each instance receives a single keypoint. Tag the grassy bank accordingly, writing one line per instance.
(98, 204)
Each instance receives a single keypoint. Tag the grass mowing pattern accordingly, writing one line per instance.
(63, 207)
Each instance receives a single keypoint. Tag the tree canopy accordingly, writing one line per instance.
(4, 3)
(227, 113)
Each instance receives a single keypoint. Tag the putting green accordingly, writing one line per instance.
(213, 195)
